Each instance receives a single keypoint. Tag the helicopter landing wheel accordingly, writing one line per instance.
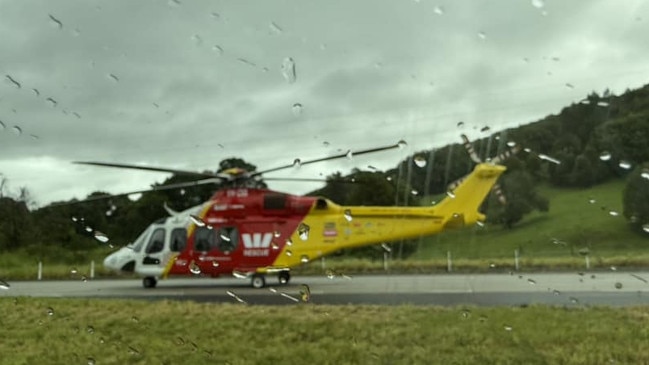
(284, 277)
(149, 282)
(258, 281)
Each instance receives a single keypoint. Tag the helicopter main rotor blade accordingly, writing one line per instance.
(155, 188)
(150, 168)
(334, 157)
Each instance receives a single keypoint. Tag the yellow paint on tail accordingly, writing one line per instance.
(331, 229)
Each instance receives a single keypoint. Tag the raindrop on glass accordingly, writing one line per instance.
(113, 77)
(482, 35)
(297, 162)
(55, 22)
(289, 242)
(538, 3)
(386, 247)
(73, 271)
(592, 200)
(4, 285)
(439, 10)
(602, 103)
(420, 161)
(197, 220)
(348, 215)
(239, 275)
(197, 39)
(91, 361)
(53, 103)
(274, 246)
(625, 164)
(215, 264)
(330, 274)
(460, 124)
(349, 154)
(289, 253)
(618, 285)
(531, 281)
(304, 259)
(305, 293)
(570, 86)
(556, 292)
(645, 174)
(288, 70)
(297, 109)
(133, 351)
(194, 268)
(645, 227)
(274, 28)
(605, 156)
(450, 194)
(303, 231)
(50, 311)
(135, 319)
(101, 237)
(511, 144)
(402, 144)
(508, 328)
(90, 329)
(217, 49)
(17, 130)
(613, 213)
(13, 81)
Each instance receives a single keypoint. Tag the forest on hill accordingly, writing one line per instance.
(602, 137)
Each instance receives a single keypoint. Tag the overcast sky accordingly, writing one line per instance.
(185, 84)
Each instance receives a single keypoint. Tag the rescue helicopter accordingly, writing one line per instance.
(252, 232)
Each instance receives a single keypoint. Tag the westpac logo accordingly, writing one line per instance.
(256, 244)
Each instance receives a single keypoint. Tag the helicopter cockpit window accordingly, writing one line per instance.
(227, 239)
(139, 241)
(156, 242)
(178, 239)
(203, 239)
(274, 201)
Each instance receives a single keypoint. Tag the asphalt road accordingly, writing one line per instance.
(598, 288)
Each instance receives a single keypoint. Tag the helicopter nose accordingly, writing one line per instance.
(110, 262)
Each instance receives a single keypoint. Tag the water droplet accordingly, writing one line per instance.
(482, 35)
(297, 162)
(274, 246)
(101, 237)
(570, 86)
(602, 103)
(613, 213)
(297, 109)
(531, 281)
(386, 247)
(508, 328)
(349, 154)
(197, 220)
(135, 319)
(277, 234)
(53, 103)
(605, 156)
(539, 4)
(556, 292)
(274, 28)
(549, 159)
(236, 297)
(197, 39)
(13, 81)
(215, 263)
(17, 130)
(289, 253)
(466, 314)
(330, 274)
(4, 285)
(625, 164)
(348, 215)
(420, 161)
(288, 70)
(645, 173)
(215, 15)
(239, 275)
(618, 285)
(450, 194)
(304, 259)
(303, 231)
(592, 200)
(217, 49)
(113, 77)
(133, 351)
(55, 22)
(289, 242)
(305, 293)
(50, 311)
(439, 10)
(645, 227)
(414, 192)
(402, 144)
(194, 268)
(91, 361)
(73, 271)
(89, 229)
(84, 278)
(485, 129)
(90, 329)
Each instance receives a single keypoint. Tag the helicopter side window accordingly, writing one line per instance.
(156, 242)
(203, 239)
(274, 201)
(178, 239)
(227, 239)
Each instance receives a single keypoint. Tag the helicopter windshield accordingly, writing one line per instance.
(137, 244)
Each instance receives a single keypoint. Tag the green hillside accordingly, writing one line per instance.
(578, 220)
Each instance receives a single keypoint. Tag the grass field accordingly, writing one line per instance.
(83, 331)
